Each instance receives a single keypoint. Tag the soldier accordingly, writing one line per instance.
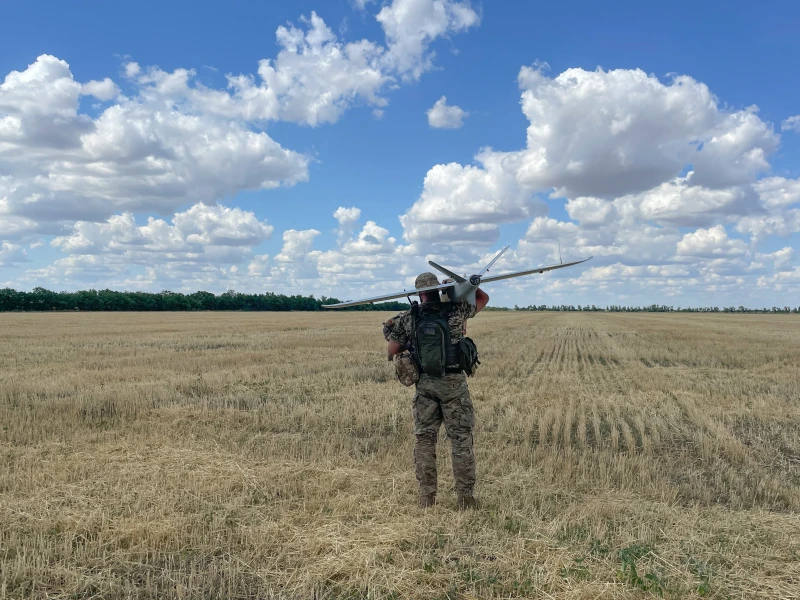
(442, 396)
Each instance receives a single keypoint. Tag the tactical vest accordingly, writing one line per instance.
(432, 348)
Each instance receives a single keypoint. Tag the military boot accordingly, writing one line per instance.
(427, 500)
(466, 501)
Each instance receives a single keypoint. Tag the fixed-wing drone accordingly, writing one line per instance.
(458, 288)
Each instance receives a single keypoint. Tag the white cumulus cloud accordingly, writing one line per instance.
(104, 90)
(608, 133)
(468, 202)
(137, 155)
(297, 245)
(316, 77)
(412, 25)
(170, 141)
(712, 242)
(443, 116)
(778, 191)
(791, 124)
(347, 218)
(780, 258)
(618, 144)
(202, 233)
(11, 254)
(591, 212)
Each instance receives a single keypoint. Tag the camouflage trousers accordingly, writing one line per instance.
(444, 399)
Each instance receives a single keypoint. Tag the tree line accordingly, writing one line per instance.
(661, 308)
(41, 299)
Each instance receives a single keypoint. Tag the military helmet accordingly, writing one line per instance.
(426, 280)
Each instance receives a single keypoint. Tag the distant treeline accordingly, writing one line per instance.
(41, 299)
(657, 308)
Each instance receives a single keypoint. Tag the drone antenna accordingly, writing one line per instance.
(559, 251)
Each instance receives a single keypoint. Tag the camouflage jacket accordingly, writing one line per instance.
(398, 328)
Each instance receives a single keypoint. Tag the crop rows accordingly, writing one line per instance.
(230, 455)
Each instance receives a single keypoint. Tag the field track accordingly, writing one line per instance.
(266, 455)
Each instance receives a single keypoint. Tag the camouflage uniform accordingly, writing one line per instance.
(441, 399)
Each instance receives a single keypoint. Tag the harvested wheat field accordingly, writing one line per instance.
(226, 455)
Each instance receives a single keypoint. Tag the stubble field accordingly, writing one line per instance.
(221, 455)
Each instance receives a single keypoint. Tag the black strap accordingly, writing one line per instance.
(412, 342)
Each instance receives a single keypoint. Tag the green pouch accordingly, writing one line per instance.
(468, 356)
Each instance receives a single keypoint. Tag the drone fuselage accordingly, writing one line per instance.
(462, 291)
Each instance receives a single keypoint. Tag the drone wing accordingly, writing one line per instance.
(532, 271)
(402, 294)
(442, 286)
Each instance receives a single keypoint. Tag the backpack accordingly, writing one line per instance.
(434, 352)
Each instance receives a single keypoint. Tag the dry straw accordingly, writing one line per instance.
(269, 456)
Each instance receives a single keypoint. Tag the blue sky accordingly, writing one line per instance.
(119, 169)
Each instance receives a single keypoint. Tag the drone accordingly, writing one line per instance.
(458, 288)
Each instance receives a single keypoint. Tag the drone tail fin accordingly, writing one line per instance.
(448, 272)
(494, 260)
